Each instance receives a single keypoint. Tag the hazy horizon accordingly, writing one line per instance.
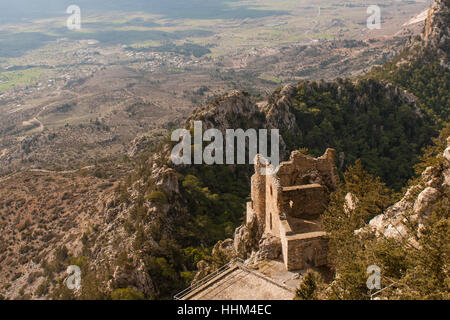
(23, 10)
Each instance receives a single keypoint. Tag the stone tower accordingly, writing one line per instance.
(258, 195)
(288, 204)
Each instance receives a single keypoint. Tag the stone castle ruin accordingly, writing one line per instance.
(288, 204)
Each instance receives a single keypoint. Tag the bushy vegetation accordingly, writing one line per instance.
(363, 120)
(431, 154)
(92, 280)
(216, 202)
(412, 267)
(310, 286)
(212, 200)
(424, 77)
(347, 254)
(158, 197)
(378, 135)
(415, 266)
(126, 294)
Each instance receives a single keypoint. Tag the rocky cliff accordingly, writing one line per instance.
(436, 33)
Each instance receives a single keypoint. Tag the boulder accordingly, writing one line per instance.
(447, 154)
(351, 201)
(203, 269)
(425, 200)
(429, 173)
(246, 238)
(269, 249)
(446, 178)
(168, 180)
(391, 222)
(136, 278)
(223, 251)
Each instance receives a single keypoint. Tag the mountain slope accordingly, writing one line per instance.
(163, 219)
(408, 241)
(423, 66)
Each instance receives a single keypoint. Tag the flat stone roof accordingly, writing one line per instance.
(299, 225)
(302, 187)
(305, 236)
(241, 283)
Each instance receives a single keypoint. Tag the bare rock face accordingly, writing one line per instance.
(425, 200)
(351, 202)
(137, 145)
(392, 228)
(168, 180)
(269, 249)
(429, 174)
(391, 222)
(246, 238)
(446, 180)
(203, 269)
(239, 110)
(135, 274)
(224, 250)
(234, 110)
(279, 114)
(242, 241)
(136, 278)
(436, 32)
(447, 154)
(446, 172)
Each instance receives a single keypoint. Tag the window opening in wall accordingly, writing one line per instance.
(271, 221)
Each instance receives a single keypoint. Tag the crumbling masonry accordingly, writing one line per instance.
(288, 205)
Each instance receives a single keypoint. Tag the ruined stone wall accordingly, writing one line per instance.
(288, 204)
(304, 201)
(273, 206)
(285, 230)
(302, 169)
(258, 194)
(327, 169)
(305, 251)
(250, 214)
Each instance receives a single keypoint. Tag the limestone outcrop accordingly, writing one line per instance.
(436, 35)
(134, 278)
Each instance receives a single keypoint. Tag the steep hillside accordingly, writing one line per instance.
(423, 66)
(41, 213)
(152, 231)
(408, 240)
(378, 123)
